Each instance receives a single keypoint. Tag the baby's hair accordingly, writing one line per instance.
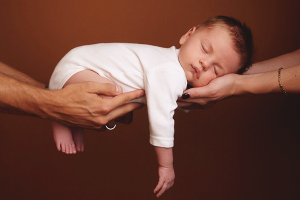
(241, 35)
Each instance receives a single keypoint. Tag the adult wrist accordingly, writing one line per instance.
(262, 83)
(248, 85)
(45, 103)
(34, 101)
(238, 85)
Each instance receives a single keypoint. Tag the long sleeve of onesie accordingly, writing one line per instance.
(163, 86)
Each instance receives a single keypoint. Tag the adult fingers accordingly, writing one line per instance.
(126, 119)
(106, 89)
(122, 110)
(111, 124)
(103, 128)
(189, 103)
(199, 92)
(183, 104)
(191, 106)
(121, 99)
(200, 95)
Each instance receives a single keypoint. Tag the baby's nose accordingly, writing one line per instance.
(204, 65)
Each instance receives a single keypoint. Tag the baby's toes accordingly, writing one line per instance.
(72, 149)
(68, 149)
(80, 147)
(58, 146)
(63, 148)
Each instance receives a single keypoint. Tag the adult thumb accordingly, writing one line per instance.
(106, 89)
(198, 92)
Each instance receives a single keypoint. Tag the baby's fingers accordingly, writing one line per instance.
(159, 185)
(163, 189)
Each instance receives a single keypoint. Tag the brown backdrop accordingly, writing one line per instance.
(242, 148)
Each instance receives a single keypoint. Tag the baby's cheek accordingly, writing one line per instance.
(198, 83)
(202, 81)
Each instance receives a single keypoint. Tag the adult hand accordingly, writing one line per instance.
(79, 104)
(125, 119)
(206, 96)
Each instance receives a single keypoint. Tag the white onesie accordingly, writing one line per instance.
(133, 66)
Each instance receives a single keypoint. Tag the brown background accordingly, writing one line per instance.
(242, 148)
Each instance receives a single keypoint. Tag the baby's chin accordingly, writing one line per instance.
(192, 84)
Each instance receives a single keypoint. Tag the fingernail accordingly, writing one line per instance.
(118, 88)
(186, 96)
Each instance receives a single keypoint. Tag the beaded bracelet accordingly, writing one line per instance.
(279, 81)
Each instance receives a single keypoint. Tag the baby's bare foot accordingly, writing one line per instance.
(77, 134)
(63, 138)
(64, 144)
(68, 148)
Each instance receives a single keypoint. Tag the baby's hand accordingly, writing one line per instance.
(166, 179)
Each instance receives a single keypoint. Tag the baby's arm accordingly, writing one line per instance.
(163, 86)
(165, 170)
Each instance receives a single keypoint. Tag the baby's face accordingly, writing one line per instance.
(207, 53)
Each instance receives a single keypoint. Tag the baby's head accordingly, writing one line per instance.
(219, 46)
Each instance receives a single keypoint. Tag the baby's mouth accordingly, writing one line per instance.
(197, 71)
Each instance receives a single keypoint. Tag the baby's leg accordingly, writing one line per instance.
(83, 76)
(64, 136)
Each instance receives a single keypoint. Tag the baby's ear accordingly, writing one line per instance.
(184, 38)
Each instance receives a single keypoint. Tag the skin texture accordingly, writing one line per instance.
(69, 140)
(261, 78)
(207, 53)
(76, 104)
(165, 170)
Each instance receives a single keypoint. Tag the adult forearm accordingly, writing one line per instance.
(15, 74)
(264, 83)
(76, 104)
(273, 64)
(20, 98)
